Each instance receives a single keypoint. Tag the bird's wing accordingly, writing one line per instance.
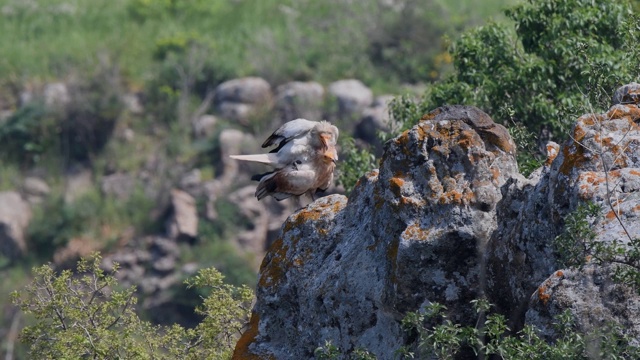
(288, 131)
(291, 180)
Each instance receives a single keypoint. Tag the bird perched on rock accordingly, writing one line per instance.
(304, 159)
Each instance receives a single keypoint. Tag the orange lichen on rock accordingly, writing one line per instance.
(634, 113)
(242, 352)
(395, 184)
(410, 201)
(542, 294)
(572, 159)
(275, 264)
(448, 133)
(579, 132)
(552, 152)
(559, 273)
(422, 133)
(415, 232)
(630, 112)
(403, 141)
(468, 196)
(500, 138)
(451, 197)
(431, 115)
(312, 212)
(590, 119)
(495, 173)
(592, 177)
(466, 139)
(277, 261)
(616, 113)
(611, 215)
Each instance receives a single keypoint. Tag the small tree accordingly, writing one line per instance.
(83, 315)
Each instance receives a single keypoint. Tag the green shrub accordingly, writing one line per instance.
(93, 215)
(28, 133)
(440, 337)
(357, 162)
(85, 315)
(577, 245)
(74, 132)
(551, 67)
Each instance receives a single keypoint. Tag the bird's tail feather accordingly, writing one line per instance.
(261, 158)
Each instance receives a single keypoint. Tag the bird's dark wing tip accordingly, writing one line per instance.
(258, 177)
(271, 140)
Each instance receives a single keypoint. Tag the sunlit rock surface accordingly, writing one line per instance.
(447, 218)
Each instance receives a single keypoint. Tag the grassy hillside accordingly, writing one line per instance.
(278, 39)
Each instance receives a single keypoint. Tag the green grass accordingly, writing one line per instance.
(279, 39)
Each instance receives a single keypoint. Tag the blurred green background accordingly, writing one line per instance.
(170, 54)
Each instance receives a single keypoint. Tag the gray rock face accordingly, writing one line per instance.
(627, 94)
(592, 296)
(236, 111)
(253, 239)
(447, 218)
(132, 103)
(248, 90)
(15, 215)
(346, 270)
(204, 126)
(78, 182)
(375, 118)
(183, 223)
(119, 185)
(239, 99)
(300, 100)
(56, 95)
(352, 97)
(600, 165)
(35, 189)
(233, 142)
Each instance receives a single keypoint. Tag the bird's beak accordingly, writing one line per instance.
(331, 154)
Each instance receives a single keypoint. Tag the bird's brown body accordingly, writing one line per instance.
(304, 159)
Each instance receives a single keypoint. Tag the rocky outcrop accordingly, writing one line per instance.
(352, 97)
(204, 126)
(239, 99)
(152, 264)
(347, 270)
(56, 95)
(35, 190)
(78, 181)
(298, 99)
(120, 185)
(183, 222)
(447, 218)
(595, 300)
(375, 118)
(15, 215)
